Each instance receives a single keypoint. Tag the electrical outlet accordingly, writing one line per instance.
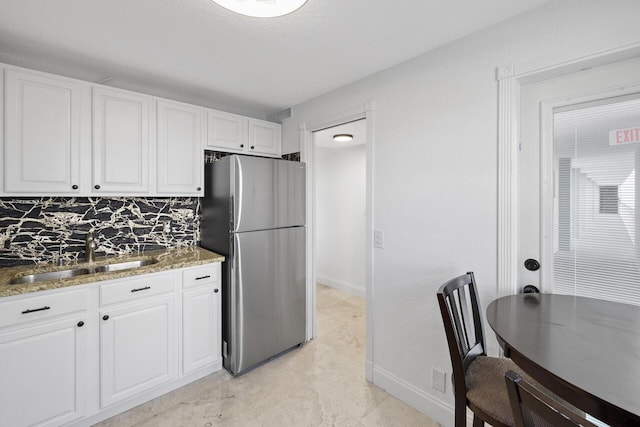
(438, 379)
(378, 239)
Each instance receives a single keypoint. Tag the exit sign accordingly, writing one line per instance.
(624, 136)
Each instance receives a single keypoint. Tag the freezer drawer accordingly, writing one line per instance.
(267, 312)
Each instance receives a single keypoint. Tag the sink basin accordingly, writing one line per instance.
(65, 274)
(52, 275)
(126, 265)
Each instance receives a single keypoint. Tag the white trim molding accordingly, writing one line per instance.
(510, 79)
(508, 130)
(362, 111)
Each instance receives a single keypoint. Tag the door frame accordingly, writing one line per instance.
(365, 111)
(510, 79)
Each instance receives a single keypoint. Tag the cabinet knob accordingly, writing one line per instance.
(80, 324)
(105, 317)
(252, 147)
(199, 188)
(241, 145)
(74, 187)
(215, 291)
(97, 187)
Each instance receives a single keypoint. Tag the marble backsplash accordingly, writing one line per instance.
(34, 230)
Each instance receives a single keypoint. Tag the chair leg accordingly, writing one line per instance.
(477, 422)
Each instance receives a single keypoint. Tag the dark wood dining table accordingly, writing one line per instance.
(585, 350)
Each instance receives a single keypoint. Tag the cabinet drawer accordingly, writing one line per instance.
(42, 306)
(135, 288)
(200, 276)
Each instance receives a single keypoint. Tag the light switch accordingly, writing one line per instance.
(378, 239)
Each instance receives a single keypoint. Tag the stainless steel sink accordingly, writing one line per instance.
(126, 265)
(51, 275)
(65, 274)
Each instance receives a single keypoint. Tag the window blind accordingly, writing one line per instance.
(596, 152)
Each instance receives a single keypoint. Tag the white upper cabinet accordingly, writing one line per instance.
(238, 134)
(69, 137)
(120, 141)
(264, 137)
(180, 148)
(227, 132)
(42, 119)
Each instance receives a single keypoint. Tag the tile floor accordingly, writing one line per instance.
(320, 384)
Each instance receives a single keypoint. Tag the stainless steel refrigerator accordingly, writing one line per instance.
(253, 213)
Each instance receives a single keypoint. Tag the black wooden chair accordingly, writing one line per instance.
(533, 407)
(478, 380)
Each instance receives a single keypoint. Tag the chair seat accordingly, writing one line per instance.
(486, 388)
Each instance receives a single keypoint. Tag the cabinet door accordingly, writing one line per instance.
(120, 141)
(264, 137)
(43, 373)
(137, 348)
(180, 149)
(42, 134)
(226, 132)
(201, 327)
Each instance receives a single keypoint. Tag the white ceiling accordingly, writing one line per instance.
(199, 52)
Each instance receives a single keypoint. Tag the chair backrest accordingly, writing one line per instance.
(532, 407)
(460, 309)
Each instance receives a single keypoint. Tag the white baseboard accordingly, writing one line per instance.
(368, 370)
(439, 411)
(341, 285)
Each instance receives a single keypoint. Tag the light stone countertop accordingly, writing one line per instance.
(168, 259)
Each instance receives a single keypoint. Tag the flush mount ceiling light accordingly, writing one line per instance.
(343, 137)
(262, 8)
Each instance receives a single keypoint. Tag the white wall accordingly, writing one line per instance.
(340, 221)
(435, 176)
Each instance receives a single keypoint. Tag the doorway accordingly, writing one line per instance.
(340, 195)
(366, 113)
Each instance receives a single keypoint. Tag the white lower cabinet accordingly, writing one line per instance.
(200, 312)
(201, 320)
(79, 355)
(43, 372)
(137, 348)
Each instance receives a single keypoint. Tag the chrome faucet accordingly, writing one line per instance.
(60, 260)
(90, 248)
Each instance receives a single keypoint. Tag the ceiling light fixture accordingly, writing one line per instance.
(343, 137)
(262, 8)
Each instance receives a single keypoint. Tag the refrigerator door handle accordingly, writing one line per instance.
(239, 196)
